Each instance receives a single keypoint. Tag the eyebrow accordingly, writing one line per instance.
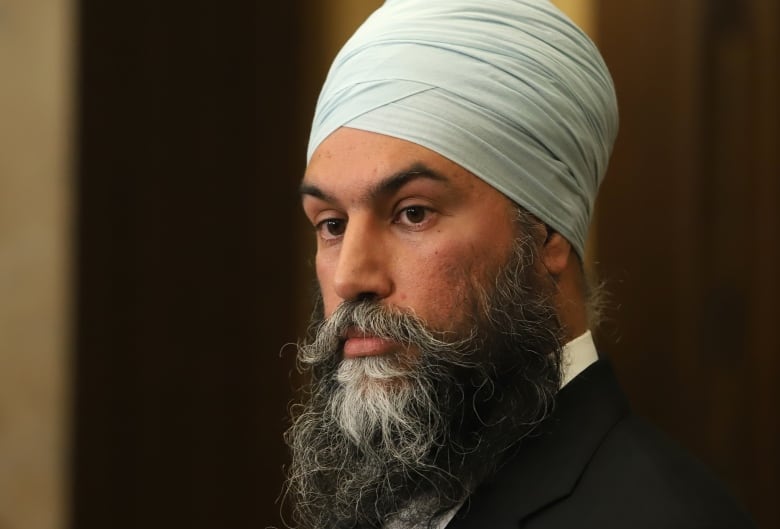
(384, 187)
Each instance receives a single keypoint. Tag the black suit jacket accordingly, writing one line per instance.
(593, 464)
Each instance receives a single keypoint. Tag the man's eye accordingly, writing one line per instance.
(413, 215)
(331, 228)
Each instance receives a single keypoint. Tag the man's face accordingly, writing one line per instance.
(403, 226)
(439, 347)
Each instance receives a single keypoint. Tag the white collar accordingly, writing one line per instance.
(577, 355)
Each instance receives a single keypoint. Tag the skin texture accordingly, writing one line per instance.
(401, 224)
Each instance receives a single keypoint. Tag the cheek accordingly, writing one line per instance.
(440, 286)
(325, 271)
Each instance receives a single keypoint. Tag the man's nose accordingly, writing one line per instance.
(363, 265)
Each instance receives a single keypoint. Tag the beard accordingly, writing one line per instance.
(406, 437)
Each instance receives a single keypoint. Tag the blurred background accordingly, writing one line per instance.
(154, 260)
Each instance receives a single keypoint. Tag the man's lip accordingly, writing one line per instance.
(357, 344)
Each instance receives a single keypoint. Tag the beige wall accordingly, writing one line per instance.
(34, 230)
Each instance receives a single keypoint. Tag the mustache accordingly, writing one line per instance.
(372, 318)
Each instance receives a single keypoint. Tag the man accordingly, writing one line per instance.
(455, 156)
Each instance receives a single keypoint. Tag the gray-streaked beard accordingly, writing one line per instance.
(407, 437)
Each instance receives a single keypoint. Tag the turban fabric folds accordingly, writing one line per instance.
(511, 90)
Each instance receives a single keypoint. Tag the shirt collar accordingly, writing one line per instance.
(577, 355)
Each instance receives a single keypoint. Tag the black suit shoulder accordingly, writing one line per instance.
(595, 465)
(638, 478)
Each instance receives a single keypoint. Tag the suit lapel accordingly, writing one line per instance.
(548, 463)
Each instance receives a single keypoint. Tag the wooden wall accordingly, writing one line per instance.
(688, 230)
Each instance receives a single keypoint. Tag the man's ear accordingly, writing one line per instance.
(556, 253)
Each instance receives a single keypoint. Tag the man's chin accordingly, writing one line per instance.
(368, 374)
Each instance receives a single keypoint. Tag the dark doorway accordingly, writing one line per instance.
(188, 156)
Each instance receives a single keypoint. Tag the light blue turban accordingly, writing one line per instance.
(511, 90)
